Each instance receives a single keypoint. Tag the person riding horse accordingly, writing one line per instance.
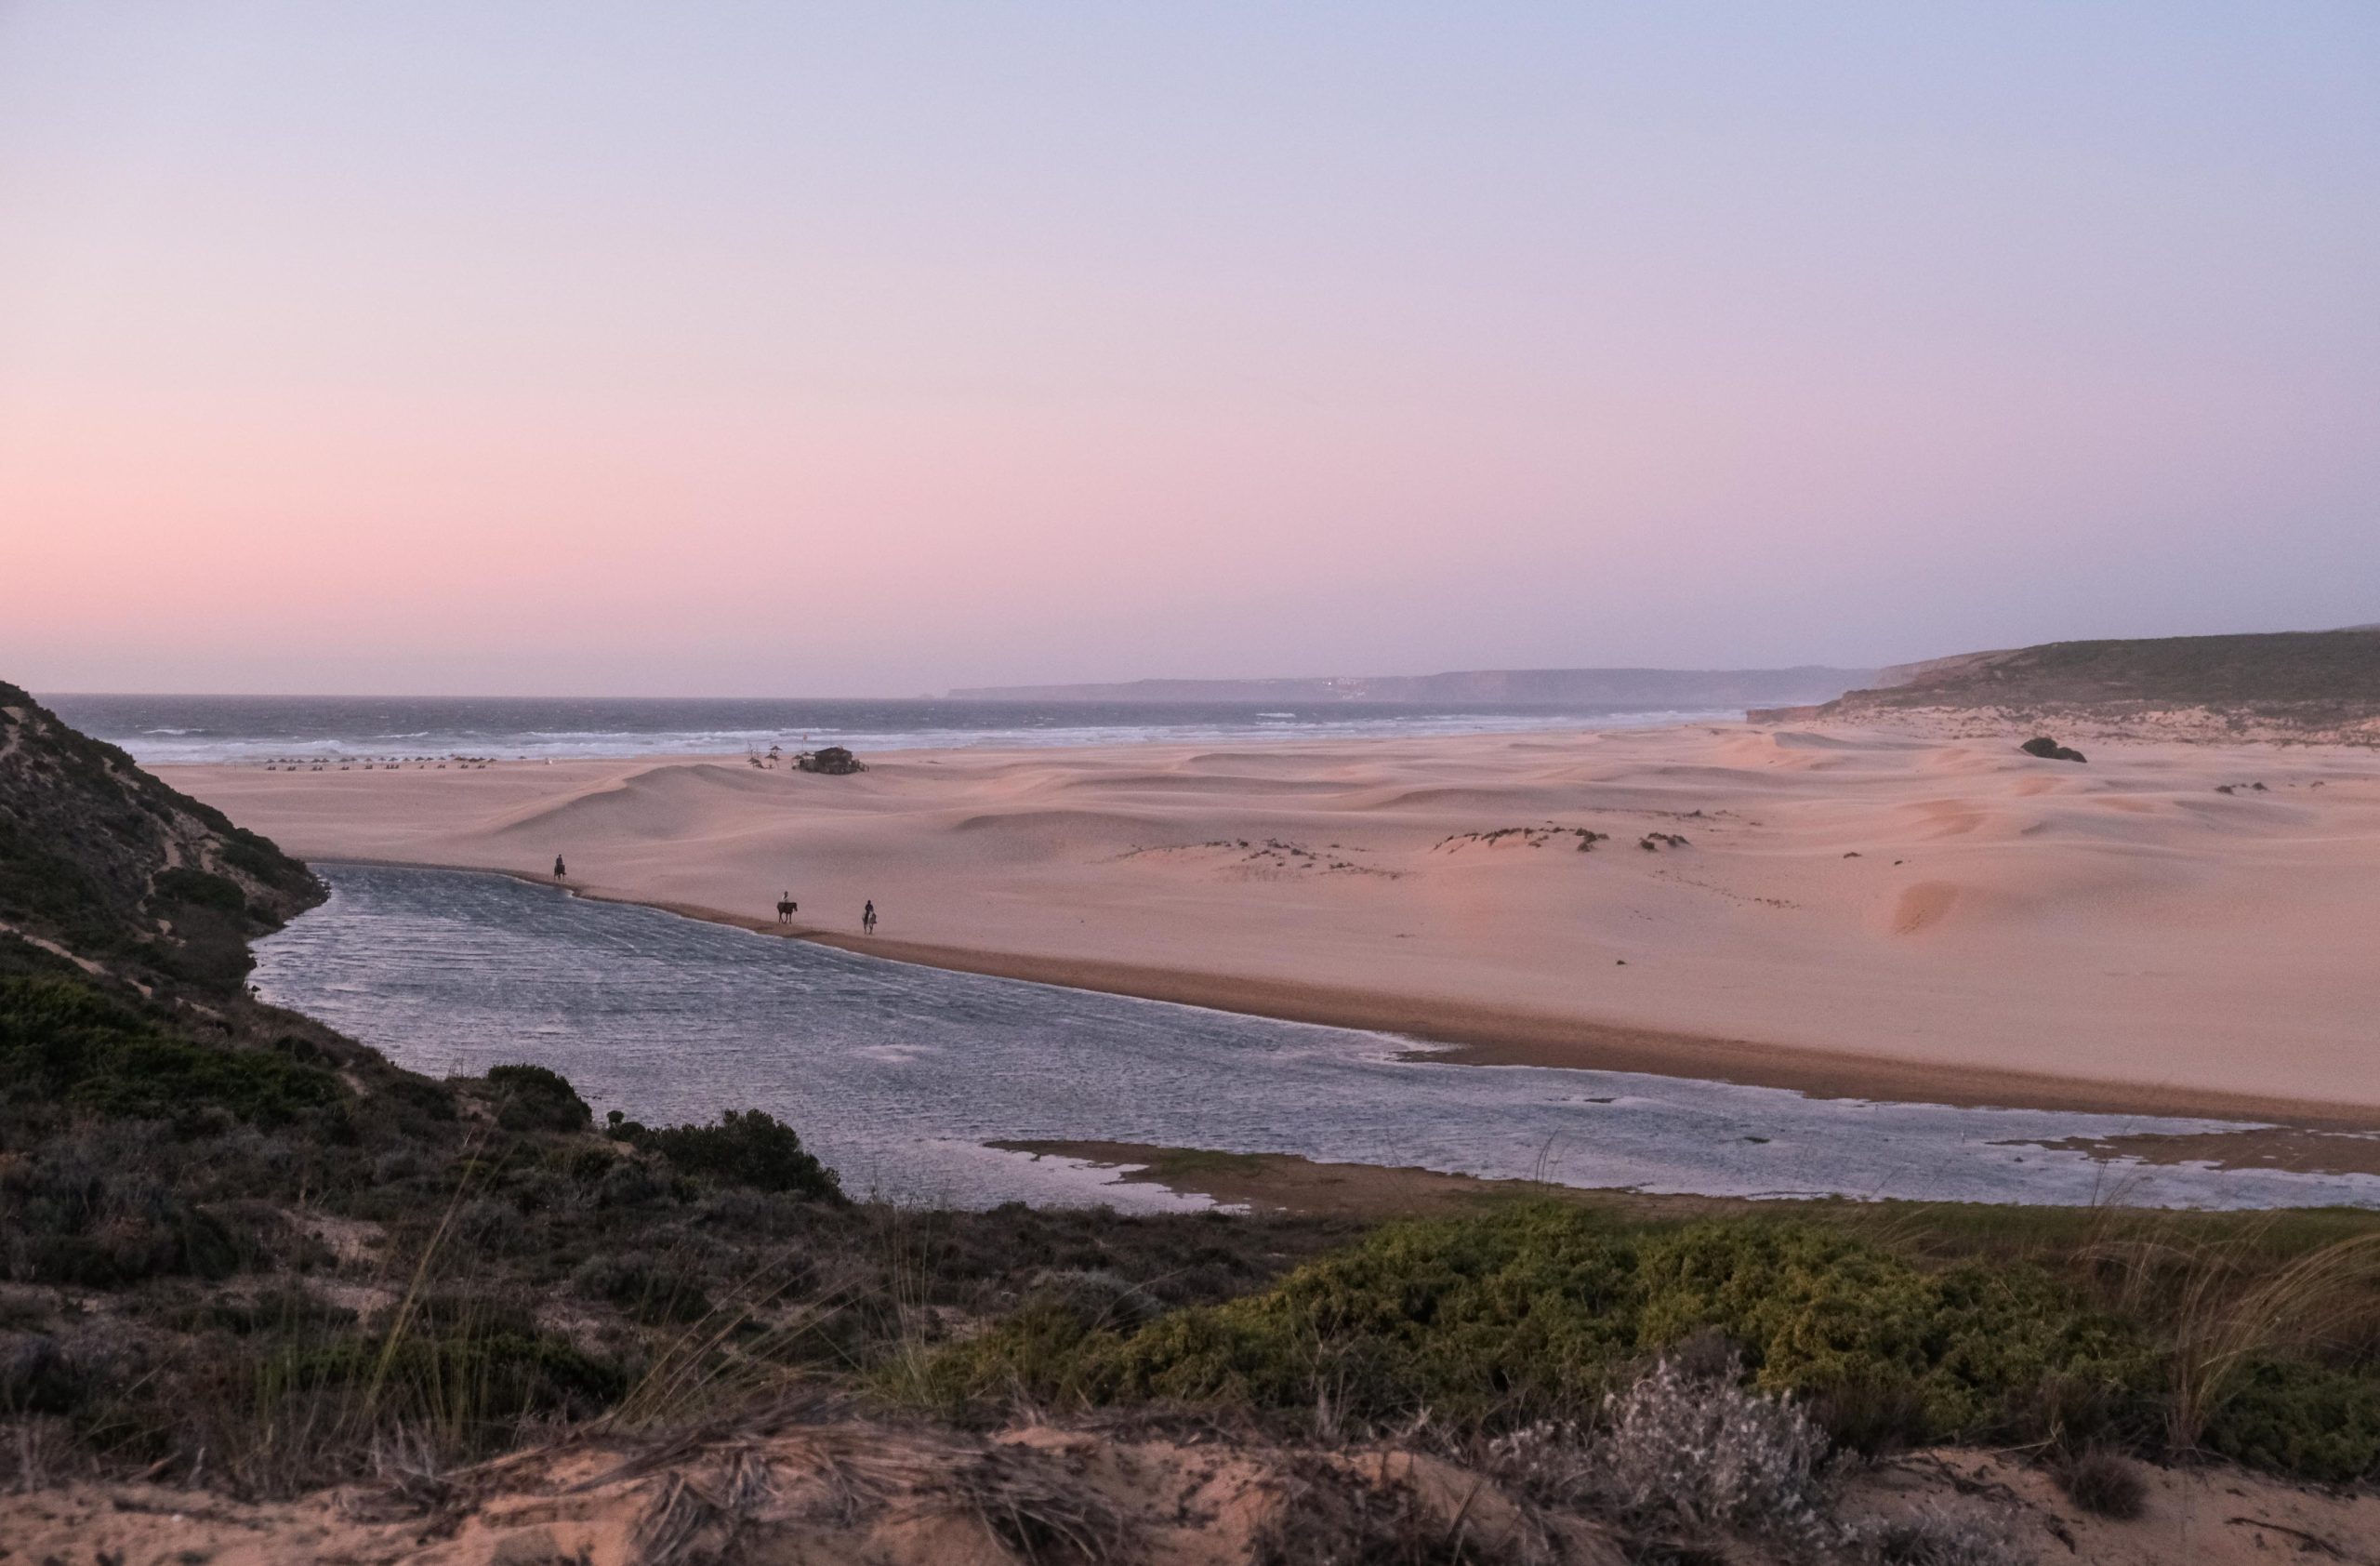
(786, 909)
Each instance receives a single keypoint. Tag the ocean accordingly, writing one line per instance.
(165, 730)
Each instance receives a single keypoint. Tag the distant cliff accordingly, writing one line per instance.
(1643, 689)
(2322, 685)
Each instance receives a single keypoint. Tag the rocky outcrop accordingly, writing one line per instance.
(1573, 689)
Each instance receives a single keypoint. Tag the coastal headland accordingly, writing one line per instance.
(2169, 927)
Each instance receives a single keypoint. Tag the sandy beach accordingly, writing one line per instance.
(1853, 913)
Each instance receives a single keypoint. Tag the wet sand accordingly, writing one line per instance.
(1288, 1183)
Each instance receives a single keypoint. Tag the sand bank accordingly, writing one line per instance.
(1845, 912)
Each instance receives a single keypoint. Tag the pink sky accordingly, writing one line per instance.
(601, 350)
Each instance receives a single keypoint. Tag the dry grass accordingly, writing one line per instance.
(2225, 1303)
(2102, 1482)
(1041, 1516)
(694, 1519)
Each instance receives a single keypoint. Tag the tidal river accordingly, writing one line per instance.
(898, 1076)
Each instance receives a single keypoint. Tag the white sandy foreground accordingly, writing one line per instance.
(1849, 911)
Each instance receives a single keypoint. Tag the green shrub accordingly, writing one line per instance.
(650, 1288)
(1821, 1313)
(43, 887)
(166, 1079)
(533, 1098)
(200, 889)
(64, 1042)
(84, 1209)
(209, 949)
(1529, 1314)
(2307, 1420)
(747, 1148)
(257, 857)
(418, 1102)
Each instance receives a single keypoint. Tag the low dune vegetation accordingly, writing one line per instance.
(2252, 1338)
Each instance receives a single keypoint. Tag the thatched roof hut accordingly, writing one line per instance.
(833, 760)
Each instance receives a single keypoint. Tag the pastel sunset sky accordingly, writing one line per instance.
(877, 347)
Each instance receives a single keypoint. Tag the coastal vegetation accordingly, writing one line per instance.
(2160, 1336)
(239, 1251)
(2321, 685)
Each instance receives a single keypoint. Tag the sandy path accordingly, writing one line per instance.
(1849, 913)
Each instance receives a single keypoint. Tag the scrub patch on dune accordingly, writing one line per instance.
(1260, 859)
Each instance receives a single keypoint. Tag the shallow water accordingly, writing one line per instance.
(898, 1075)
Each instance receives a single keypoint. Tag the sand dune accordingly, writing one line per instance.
(1848, 910)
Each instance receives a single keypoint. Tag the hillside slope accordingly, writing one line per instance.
(2318, 687)
(139, 881)
(1556, 689)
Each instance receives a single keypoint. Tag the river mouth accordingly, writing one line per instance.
(900, 1076)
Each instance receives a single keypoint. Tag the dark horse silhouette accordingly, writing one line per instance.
(786, 909)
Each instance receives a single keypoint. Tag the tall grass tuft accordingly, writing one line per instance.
(2228, 1307)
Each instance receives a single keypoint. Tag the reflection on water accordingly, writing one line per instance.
(898, 1075)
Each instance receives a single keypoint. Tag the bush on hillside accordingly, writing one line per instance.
(200, 889)
(78, 1211)
(535, 1098)
(63, 1042)
(649, 1287)
(747, 1148)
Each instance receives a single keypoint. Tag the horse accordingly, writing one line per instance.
(786, 909)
